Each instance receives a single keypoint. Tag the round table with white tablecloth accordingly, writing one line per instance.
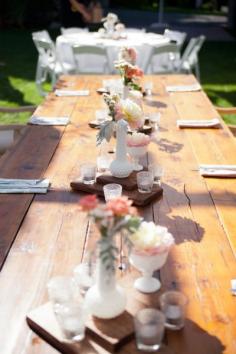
(141, 41)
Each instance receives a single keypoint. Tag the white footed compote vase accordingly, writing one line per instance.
(106, 299)
(121, 167)
(136, 152)
(137, 145)
(151, 244)
(147, 264)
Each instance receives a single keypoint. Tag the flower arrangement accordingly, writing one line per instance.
(120, 109)
(111, 218)
(130, 74)
(128, 54)
(150, 239)
(137, 139)
(111, 27)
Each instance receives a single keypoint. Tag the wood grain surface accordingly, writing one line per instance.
(46, 235)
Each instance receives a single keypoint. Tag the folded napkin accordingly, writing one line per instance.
(24, 185)
(184, 88)
(210, 123)
(71, 93)
(49, 120)
(233, 286)
(218, 170)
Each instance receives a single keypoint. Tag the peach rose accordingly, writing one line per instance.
(88, 203)
(121, 206)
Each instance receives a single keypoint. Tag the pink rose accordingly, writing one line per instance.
(121, 206)
(88, 203)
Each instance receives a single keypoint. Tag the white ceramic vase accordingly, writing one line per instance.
(147, 264)
(121, 167)
(106, 299)
(136, 152)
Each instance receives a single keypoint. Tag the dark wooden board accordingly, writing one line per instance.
(128, 183)
(139, 199)
(111, 334)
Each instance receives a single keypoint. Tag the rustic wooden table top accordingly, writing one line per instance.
(44, 235)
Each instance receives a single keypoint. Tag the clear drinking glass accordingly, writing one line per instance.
(148, 86)
(71, 318)
(111, 191)
(157, 171)
(88, 172)
(154, 119)
(101, 115)
(103, 162)
(145, 181)
(149, 326)
(62, 290)
(173, 305)
(84, 275)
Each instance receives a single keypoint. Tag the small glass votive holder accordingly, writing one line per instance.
(71, 318)
(145, 181)
(88, 172)
(112, 191)
(103, 162)
(84, 275)
(157, 171)
(173, 305)
(148, 87)
(62, 290)
(149, 326)
(101, 115)
(154, 120)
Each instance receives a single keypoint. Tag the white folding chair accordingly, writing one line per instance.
(91, 59)
(44, 34)
(176, 36)
(155, 65)
(72, 30)
(48, 63)
(189, 61)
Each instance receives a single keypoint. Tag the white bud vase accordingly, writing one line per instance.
(106, 299)
(125, 92)
(121, 167)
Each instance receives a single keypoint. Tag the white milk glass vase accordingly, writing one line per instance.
(121, 167)
(106, 299)
(125, 92)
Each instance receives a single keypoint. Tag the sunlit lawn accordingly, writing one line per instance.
(18, 59)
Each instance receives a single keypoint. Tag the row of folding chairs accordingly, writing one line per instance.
(162, 59)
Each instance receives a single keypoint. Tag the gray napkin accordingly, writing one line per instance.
(218, 170)
(210, 123)
(24, 185)
(71, 93)
(184, 88)
(49, 120)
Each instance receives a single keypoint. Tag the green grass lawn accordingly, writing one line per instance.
(18, 59)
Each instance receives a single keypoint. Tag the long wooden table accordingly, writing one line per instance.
(44, 235)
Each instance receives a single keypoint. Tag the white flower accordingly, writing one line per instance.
(150, 238)
(137, 139)
(132, 112)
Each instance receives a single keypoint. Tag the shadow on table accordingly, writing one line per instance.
(199, 341)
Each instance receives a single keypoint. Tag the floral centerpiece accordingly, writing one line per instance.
(128, 54)
(111, 218)
(112, 28)
(106, 299)
(127, 110)
(130, 74)
(150, 247)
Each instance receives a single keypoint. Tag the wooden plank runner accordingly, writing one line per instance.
(28, 158)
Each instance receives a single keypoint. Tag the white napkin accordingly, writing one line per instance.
(184, 88)
(49, 120)
(71, 93)
(218, 170)
(24, 185)
(210, 123)
(233, 286)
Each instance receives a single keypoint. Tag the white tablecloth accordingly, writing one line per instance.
(142, 41)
